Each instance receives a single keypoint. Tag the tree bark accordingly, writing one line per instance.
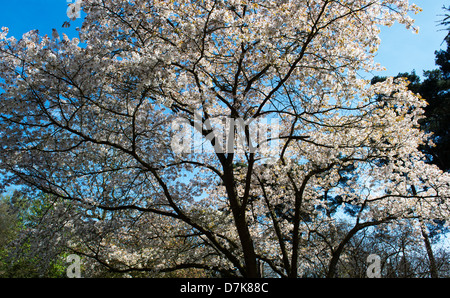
(332, 267)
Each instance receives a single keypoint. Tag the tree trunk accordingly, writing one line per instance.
(248, 249)
(426, 240)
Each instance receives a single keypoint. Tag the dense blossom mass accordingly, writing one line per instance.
(88, 120)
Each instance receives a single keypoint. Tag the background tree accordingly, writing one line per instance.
(401, 250)
(435, 89)
(19, 214)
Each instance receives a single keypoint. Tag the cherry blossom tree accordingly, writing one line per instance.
(90, 121)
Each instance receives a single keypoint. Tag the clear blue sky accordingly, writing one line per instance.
(400, 51)
(21, 16)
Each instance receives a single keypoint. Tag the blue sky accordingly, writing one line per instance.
(400, 51)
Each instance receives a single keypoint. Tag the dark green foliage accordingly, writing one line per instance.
(17, 214)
